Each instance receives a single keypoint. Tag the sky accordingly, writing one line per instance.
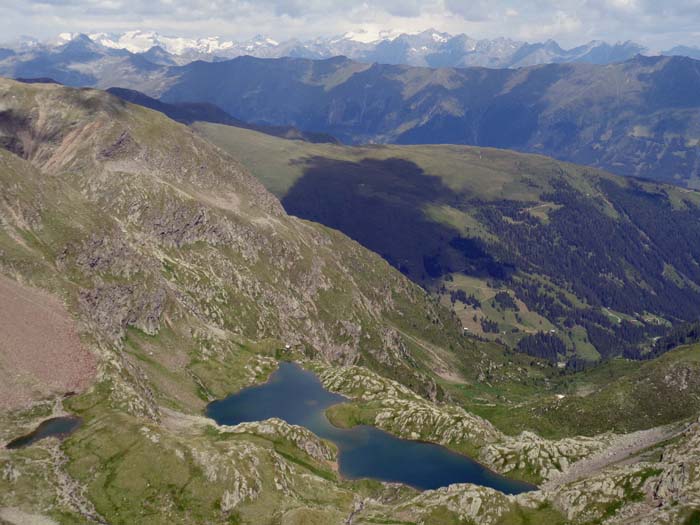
(658, 24)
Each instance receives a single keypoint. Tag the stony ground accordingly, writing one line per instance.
(619, 450)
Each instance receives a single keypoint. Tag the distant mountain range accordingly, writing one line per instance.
(191, 112)
(637, 118)
(430, 48)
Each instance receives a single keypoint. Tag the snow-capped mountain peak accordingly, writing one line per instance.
(430, 47)
(142, 41)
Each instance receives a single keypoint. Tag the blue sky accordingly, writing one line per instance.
(655, 23)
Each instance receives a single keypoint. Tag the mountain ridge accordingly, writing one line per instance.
(188, 113)
(635, 118)
(429, 47)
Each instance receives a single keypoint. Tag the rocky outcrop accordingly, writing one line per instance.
(277, 429)
(105, 253)
(397, 409)
(469, 503)
(238, 468)
(680, 479)
(543, 458)
(110, 309)
(123, 146)
(401, 411)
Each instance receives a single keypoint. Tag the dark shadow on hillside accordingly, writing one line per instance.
(380, 204)
(11, 123)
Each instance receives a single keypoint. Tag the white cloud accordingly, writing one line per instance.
(571, 22)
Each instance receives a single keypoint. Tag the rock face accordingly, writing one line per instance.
(112, 309)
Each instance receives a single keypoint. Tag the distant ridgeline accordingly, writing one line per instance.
(635, 118)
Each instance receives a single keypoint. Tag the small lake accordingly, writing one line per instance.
(298, 397)
(58, 427)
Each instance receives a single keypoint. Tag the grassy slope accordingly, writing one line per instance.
(620, 395)
(346, 282)
(489, 174)
(466, 174)
(116, 215)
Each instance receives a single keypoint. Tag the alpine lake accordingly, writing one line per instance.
(297, 396)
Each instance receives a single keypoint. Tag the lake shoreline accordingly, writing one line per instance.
(296, 395)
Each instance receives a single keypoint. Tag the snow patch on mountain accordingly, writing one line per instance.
(142, 41)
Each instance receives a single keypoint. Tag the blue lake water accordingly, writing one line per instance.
(59, 427)
(298, 397)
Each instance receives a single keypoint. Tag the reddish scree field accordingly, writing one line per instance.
(40, 350)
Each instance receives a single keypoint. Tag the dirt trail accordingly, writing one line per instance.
(440, 366)
(624, 448)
